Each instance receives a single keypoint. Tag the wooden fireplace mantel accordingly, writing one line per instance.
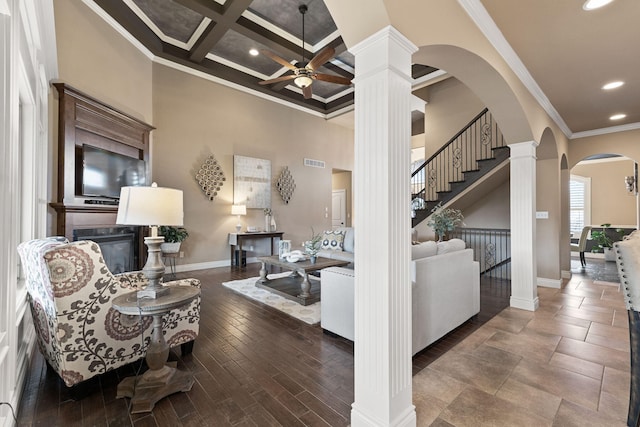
(83, 119)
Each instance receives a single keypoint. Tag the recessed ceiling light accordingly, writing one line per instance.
(254, 52)
(617, 117)
(595, 4)
(612, 85)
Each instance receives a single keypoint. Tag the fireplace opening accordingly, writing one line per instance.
(118, 245)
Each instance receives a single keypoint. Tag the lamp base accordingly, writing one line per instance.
(153, 269)
(238, 227)
(152, 293)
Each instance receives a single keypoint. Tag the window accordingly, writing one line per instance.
(579, 203)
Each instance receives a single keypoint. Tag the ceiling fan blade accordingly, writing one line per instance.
(278, 59)
(333, 79)
(323, 56)
(278, 79)
(307, 92)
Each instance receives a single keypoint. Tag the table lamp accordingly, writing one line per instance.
(238, 210)
(151, 206)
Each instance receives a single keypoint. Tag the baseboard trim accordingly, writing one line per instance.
(549, 283)
(524, 304)
(565, 274)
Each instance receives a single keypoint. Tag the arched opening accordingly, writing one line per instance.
(603, 195)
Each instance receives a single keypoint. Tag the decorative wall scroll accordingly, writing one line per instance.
(210, 177)
(251, 182)
(285, 184)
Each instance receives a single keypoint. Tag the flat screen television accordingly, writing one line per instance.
(104, 172)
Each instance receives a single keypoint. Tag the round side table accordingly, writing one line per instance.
(161, 379)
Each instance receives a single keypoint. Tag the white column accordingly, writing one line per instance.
(382, 237)
(524, 292)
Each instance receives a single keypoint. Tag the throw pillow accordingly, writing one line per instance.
(332, 240)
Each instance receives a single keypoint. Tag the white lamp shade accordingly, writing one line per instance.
(150, 206)
(238, 209)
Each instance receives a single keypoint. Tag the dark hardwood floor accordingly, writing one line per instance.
(254, 366)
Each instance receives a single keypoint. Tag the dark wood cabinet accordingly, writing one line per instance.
(83, 119)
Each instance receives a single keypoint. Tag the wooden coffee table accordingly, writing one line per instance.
(296, 286)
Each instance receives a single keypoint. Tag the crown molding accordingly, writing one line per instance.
(488, 27)
(119, 28)
(605, 131)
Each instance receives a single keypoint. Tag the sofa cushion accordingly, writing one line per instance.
(332, 240)
(348, 239)
(451, 246)
(423, 250)
(338, 255)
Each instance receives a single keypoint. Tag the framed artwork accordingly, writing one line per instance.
(251, 182)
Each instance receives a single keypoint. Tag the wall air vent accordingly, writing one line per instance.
(314, 163)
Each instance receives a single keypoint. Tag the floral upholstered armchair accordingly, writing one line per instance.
(80, 334)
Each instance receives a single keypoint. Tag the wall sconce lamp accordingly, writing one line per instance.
(630, 184)
(238, 210)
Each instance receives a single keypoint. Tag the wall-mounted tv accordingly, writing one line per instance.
(105, 172)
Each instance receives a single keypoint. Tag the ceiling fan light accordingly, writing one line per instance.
(595, 4)
(303, 81)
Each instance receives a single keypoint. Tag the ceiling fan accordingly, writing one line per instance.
(304, 76)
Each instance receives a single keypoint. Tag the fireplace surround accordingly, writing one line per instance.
(118, 246)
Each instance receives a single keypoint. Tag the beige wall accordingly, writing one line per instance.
(610, 202)
(94, 58)
(491, 211)
(548, 229)
(451, 106)
(196, 118)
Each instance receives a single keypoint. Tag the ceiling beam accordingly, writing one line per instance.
(221, 23)
(132, 23)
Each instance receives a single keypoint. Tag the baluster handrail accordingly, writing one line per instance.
(448, 143)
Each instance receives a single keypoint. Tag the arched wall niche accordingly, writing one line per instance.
(548, 199)
(548, 147)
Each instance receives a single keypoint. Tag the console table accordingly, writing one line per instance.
(236, 239)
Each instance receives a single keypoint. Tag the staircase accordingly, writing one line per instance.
(463, 160)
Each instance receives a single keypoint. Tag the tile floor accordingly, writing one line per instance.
(566, 364)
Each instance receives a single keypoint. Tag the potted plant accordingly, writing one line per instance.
(443, 220)
(173, 237)
(604, 243)
(312, 246)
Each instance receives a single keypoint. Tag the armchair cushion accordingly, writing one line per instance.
(80, 334)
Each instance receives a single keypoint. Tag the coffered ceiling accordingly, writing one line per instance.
(216, 36)
(562, 53)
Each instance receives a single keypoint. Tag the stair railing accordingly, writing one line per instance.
(491, 248)
(460, 154)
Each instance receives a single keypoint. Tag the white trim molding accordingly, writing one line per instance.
(488, 27)
(549, 283)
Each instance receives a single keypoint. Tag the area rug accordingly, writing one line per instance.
(309, 314)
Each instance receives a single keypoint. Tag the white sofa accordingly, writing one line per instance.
(445, 293)
(346, 254)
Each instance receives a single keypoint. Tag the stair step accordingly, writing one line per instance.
(483, 166)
